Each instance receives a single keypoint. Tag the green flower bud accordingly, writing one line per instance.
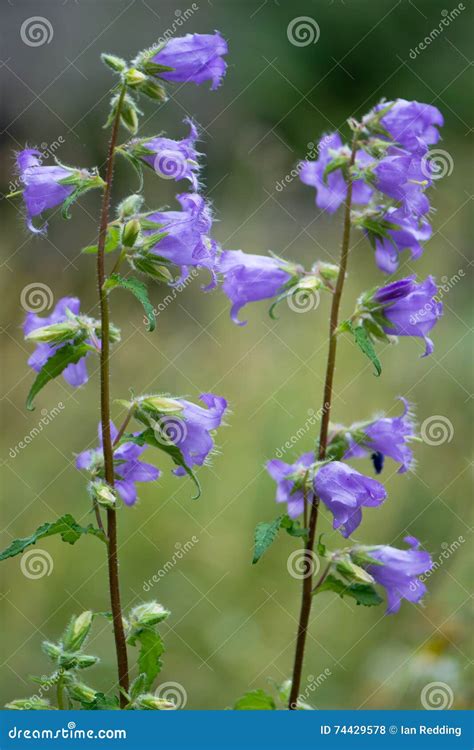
(116, 63)
(56, 333)
(153, 90)
(130, 232)
(353, 572)
(148, 614)
(84, 661)
(30, 704)
(130, 206)
(149, 702)
(52, 650)
(134, 77)
(77, 631)
(80, 692)
(161, 404)
(103, 494)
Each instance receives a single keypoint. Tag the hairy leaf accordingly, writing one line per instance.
(112, 241)
(151, 649)
(69, 354)
(137, 288)
(363, 341)
(265, 534)
(363, 593)
(66, 526)
(255, 700)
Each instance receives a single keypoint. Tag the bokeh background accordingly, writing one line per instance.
(233, 624)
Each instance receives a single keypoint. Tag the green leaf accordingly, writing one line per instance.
(265, 534)
(136, 287)
(321, 547)
(255, 700)
(363, 593)
(292, 527)
(66, 355)
(66, 526)
(112, 241)
(364, 342)
(148, 437)
(339, 162)
(151, 649)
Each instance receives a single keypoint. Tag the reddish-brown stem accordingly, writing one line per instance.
(112, 554)
(307, 588)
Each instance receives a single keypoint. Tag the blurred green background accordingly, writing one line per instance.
(233, 624)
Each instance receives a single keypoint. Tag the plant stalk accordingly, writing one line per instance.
(307, 588)
(112, 554)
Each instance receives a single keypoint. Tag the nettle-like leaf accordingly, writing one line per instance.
(364, 593)
(362, 338)
(66, 526)
(69, 354)
(255, 700)
(138, 289)
(149, 657)
(148, 437)
(266, 533)
(112, 241)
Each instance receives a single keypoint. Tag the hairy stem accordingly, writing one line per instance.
(112, 556)
(307, 588)
(60, 693)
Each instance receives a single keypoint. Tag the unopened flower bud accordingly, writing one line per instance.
(161, 404)
(130, 232)
(56, 333)
(153, 90)
(134, 77)
(116, 63)
(148, 614)
(81, 692)
(150, 702)
(77, 631)
(51, 649)
(130, 206)
(103, 494)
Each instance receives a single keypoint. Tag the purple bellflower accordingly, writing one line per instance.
(397, 571)
(404, 177)
(187, 241)
(413, 125)
(410, 232)
(191, 429)
(410, 308)
(194, 57)
(291, 482)
(331, 190)
(385, 436)
(49, 186)
(344, 492)
(74, 374)
(127, 467)
(250, 278)
(171, 159)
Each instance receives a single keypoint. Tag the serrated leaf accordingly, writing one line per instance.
(364, 593)
(293, 527)
(66, 526)
(363, 341)
(255, 700)
(112, 241)
(69, 354)
(138, 289)
(265, 534)
(148, 437)
(151, 649)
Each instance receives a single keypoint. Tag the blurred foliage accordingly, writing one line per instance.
(232, 626)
